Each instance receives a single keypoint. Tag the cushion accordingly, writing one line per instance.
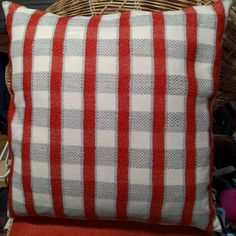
(27, 226)
(110, 116)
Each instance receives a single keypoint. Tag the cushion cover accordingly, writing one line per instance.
(110, 116)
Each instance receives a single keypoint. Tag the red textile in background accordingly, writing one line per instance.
(55, 227)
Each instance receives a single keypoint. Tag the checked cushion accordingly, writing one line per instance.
(110, 116)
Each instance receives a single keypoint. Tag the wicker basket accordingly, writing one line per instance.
(227, 85)
(93, 7)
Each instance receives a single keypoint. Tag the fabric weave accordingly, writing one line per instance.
(110, 116)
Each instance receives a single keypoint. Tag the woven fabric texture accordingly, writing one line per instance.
(110, 116)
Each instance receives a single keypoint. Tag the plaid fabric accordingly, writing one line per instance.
(111, 117)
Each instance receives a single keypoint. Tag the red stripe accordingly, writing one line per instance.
(190, 139)
(123, 116)
(12, 8)
(55, 115)
(89, 117)
(219, 9)
(26, 140)
(159, 102)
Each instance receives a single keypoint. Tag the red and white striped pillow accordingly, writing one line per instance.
(110, 116)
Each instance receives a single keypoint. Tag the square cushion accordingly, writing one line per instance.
(110, 116)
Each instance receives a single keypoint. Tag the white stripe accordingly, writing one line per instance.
(71, 137)
(72, 101)
(72, 172)
(105, 138)
(140, 140)
(40, 99)
(106, 174)
(106, 102)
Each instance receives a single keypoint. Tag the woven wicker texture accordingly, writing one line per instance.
(227, 85)
(3, 140)
(8, 77)
(93, 7)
